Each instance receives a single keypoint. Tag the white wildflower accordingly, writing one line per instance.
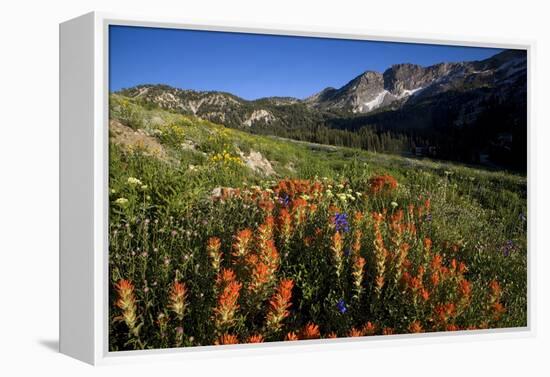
(134, 181)
(121, 201)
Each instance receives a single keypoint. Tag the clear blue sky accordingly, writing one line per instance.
(253, 66)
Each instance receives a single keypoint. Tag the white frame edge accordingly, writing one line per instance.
(84, 201)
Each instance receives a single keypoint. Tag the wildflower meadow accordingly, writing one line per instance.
(206, 249)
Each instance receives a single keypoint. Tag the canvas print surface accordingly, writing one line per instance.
(268, 188)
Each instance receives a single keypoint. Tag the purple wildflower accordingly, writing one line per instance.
(341, 305)
(284, 200)
(508, 248)
(341, 222)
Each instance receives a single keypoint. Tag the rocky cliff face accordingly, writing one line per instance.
(363, 93)
(404, 82)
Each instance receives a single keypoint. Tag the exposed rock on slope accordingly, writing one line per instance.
(258, 163)
(133, 140)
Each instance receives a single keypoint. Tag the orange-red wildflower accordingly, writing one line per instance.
(279, 304)
(225, 277)
(451, 327)
(257, 338)
(465, 288)
(357, 272)
(425, 294)
(498, 310)
(310, 331)
(382, 184)
(227, 304)
(445, 312)
(267, 206)
(242, 243)
(435, 278)
(177, 298)
(285, 225)
(213, 247)
(415, 327)
(380, 255)
(369, 328)
(263, 266)
(354, 333)
(127, 303)
(291, 336)
(227, 339)
(495, 288)
(337, 248)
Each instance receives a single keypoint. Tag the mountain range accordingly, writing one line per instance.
(480, 105)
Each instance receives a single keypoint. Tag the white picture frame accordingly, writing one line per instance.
(84, 200)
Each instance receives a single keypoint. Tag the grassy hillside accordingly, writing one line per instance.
(220, 236)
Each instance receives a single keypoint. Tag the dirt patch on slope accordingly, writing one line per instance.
(133, 140)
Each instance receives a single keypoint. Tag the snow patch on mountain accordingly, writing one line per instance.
(409, 92)
(374, 103)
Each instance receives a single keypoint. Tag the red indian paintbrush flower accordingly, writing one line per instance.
(427, 248)
(225, 277)
(494, 300)
(465, 288)
(213, 248)
(310, 331)
(259, 276)
(437, 261)
(227, 339)
(227, 304)
(356, 244)
(299, 210)
(263, 266)
(369, 328)
(279, 304)
(242, 243)
(415, 327)
(355, 333)
(267, 206)
(380, 254)
(285, 225)
(357, 273)
(127, 303)
(291, 336)
(425, 294)
(445, 312)
(400, 258)
(177, 297)
(337, 252)
(258, 338)
(435, 278)
(451, 327)
(495, 288)
(265, 231)
(382, 184)
(498, 310)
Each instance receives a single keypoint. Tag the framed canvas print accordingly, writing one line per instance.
(231, 189)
